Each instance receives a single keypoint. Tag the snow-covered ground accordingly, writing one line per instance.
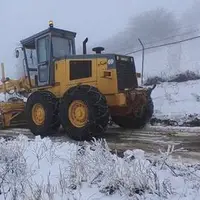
(41, 169)
(173, 100)
(176, 101)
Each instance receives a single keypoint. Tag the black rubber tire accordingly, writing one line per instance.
(136, 122)
(50, 104)
(98, 115)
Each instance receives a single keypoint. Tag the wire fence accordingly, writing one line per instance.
(167, 57)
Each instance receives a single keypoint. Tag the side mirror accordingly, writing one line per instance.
(17, 53)
(138, 75)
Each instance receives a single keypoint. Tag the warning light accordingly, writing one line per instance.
(51, 24)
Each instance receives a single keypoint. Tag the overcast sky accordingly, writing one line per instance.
(97, 20)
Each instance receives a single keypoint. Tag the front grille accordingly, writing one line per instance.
(126, 75)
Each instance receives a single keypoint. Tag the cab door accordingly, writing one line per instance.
(43, 60)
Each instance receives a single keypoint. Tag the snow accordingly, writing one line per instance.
(173, 100)
(177, 100)
(42, 169)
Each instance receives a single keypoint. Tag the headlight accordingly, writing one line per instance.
(110, 61)
(132, 59)
(117, 57)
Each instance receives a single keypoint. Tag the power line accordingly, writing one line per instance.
(166, 44)
(163, 39)
(188, 26)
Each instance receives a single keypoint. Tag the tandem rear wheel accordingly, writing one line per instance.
(136, 122)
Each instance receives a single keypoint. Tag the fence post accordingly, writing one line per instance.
(142, 77)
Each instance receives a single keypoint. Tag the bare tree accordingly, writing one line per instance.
(149, 26)
(153, 25)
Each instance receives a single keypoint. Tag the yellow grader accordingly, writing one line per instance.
(81, 93)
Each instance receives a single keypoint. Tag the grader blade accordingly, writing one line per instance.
(12, 114)
(12, 110)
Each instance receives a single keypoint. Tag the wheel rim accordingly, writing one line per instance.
(78, 113)
(38, 114)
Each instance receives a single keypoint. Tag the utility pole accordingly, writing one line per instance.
(142, 77)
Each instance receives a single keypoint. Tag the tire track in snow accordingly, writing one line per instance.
(150, 139)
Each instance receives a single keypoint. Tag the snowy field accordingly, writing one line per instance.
(173, 101)
(44, 170)
(177, 101)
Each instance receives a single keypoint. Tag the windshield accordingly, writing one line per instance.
(61, 47)
(31, 58)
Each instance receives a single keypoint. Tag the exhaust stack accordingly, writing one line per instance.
(3, 77)
(84, 46)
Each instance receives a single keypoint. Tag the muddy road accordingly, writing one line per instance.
(153, 139)
(150, 139)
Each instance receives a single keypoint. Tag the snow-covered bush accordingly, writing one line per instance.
(154, 80)
(185, 76)
(178, 78)
(44, 170)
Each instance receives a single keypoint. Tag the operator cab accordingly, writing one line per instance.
(42, 49)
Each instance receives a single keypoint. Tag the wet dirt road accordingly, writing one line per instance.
(153, 139)
(149, 139)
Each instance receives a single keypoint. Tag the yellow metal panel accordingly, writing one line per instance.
(116, 100)
(82, 80)
(7, 106)
(102, 78)
(106, 79)
(61, 73)
(62, 77)
(7, 110)
(94, 84)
